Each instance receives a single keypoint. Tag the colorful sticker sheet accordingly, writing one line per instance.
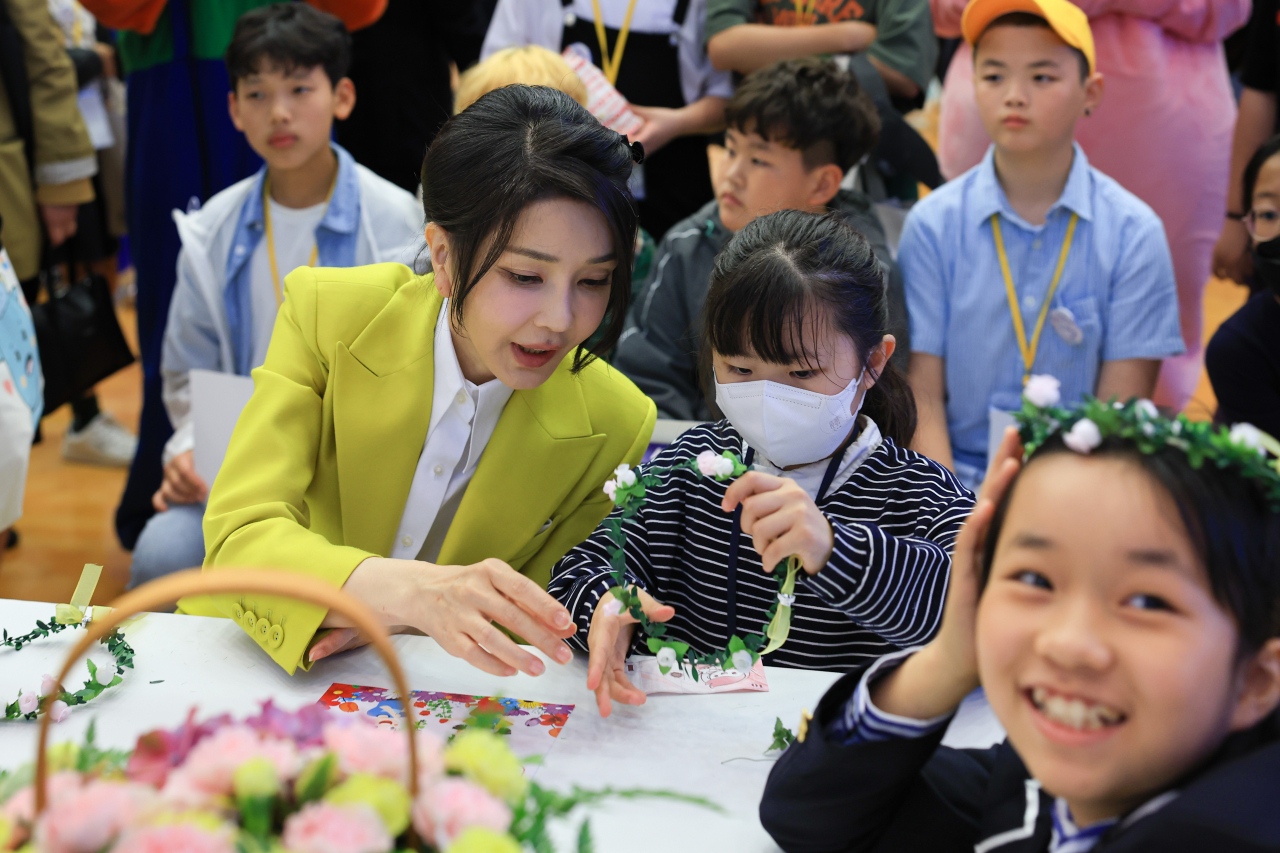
(531, 726)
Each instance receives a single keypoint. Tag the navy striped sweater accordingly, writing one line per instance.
(894, 519)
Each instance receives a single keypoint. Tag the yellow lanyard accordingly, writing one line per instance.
(1029, 350)
(805, 13)
(278, 290)
(610, 65)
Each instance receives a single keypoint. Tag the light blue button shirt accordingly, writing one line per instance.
(1118, 284)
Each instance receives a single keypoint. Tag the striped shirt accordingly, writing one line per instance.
(1117, 285)
(894, 518)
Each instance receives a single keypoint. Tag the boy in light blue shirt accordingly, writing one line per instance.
(310, 204)
(1032, 261)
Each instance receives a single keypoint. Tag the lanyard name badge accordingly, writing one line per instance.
(1062, 320)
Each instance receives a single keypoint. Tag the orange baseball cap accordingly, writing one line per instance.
(1066, 19)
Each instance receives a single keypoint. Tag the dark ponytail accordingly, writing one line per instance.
(512, 147)
(790, 266)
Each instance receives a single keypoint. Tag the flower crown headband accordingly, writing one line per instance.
(1243, 448)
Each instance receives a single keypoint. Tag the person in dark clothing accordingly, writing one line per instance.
(1243, 357)
(400, 67)
(795, 128)
(1116, 597)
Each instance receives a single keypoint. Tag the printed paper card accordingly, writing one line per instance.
(530, 726)
(644, 673)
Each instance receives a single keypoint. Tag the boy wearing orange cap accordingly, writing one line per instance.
(1032, 261)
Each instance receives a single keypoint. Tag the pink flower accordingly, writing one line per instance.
(707, 463)
(157, 752)
(88, 819)
(211, 764)
(444, 810)
(612, 607)
(177, 838)
(59, 711)
(21, 807)
(28, 702)
(381, 752)
(611, 489)
(47, 684)
(324, 828)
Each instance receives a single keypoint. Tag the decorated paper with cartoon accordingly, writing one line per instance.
(647, 675)
(531, 726)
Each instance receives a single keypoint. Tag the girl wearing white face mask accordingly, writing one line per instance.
(794, 328)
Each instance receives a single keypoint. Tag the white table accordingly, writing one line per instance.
(693, 744)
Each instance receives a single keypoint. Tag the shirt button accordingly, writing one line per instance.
(406, 541)
(1035, 244)
(461, 398)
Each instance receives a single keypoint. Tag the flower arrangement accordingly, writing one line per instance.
(627, 490)
(29, 702)
(301, 781)
(1242, 447)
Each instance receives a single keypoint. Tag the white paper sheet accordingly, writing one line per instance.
(216, 401)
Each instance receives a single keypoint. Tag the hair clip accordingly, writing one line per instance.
(637, 152)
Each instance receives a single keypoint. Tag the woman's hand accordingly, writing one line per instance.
(457, 606)
(608, 641)
(936, 679)
(781, 520)
(181, 484)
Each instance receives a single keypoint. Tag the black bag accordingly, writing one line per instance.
(78, 335)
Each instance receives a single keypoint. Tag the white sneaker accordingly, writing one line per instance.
(102, 442)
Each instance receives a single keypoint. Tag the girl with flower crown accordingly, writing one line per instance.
(794, 329)
(1116, 595)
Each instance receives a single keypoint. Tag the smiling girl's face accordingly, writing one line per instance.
(546, 294)
(1100, 645)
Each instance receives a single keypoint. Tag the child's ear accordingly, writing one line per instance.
(438, 245)
(824, 183)
(879, 358)
(233, 109)
(1259, 687)
(1093, 86)
(344, 98)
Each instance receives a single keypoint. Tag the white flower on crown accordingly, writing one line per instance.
(1247, 435)
(624, 475)
(712, 464)
(1042, 390)
(743, 661)
(611, 489)
(1083, 436)
(667, 657)
(1147, 409)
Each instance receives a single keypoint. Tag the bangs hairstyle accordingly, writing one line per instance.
(514, 146)
(288, 36)
(1231, 527)
(808, 104)
(1265, 152)
(1027, 19)
(784, 272)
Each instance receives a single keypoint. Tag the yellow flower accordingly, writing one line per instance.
(6, 832)
(478, 839)
(63, 756)
(389, 799)
(483, 757)
(256, 778)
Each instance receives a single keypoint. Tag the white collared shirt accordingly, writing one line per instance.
(463, 418)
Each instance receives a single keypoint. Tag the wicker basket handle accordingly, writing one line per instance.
(170, 588)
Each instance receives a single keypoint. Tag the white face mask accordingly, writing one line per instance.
(790, 426)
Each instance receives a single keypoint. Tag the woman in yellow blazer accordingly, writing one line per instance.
(446, 515)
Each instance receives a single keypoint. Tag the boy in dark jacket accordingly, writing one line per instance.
(795, 128)
(1118, 605)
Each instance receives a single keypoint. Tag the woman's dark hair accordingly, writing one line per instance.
(289, 35)
(808, 104)
(783, 271)
(514, 146)
(1265, 152)
(1231, 526)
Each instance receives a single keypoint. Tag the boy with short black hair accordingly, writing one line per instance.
(310, 204)
(1032, 258)
(795, 128)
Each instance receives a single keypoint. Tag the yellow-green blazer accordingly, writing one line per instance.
(319, 467)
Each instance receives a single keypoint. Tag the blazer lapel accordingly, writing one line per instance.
(540, 450)
(382, 389)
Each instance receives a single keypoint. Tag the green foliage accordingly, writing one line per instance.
(529, 824)
(120, 651)
(783, 737)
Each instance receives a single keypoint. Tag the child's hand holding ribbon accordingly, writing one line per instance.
(781, 520)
